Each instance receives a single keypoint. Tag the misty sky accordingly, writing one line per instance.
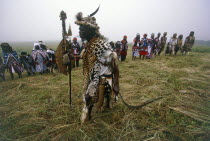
(33, 20)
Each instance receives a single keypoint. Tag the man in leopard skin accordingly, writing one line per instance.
(100, 67)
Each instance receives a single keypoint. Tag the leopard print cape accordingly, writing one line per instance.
(96, 48)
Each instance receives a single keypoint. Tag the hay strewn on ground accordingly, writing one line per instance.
(37, 107)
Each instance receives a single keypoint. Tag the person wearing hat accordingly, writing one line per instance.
(151, 46)
(171, 44)
(189, 42)
(43, 48)
(100, 67)
(179, 44)
(157, 43)
(42, 45)
(144, 47)
(76, 49)
(136, 46)
(124, 44)
(163, 40)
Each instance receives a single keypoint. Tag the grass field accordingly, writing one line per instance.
(37, 107)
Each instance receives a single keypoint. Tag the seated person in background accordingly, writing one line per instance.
(25, 61)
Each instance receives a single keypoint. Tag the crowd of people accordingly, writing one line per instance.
(150, 47)
(42, 59)
(39, 61)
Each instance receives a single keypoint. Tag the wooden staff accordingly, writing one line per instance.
(66, 47)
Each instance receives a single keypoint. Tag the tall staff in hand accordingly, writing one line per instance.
(63, 52)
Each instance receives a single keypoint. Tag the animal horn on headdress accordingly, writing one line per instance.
(95, 12)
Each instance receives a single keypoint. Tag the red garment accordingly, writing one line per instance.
(124, 47)
(135, 48)
(143, 51)
(123, 53)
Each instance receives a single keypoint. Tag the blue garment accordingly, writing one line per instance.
(144, 42)
(6, 56)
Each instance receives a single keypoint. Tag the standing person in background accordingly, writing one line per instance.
(163, 40)
(83, 46)
(118, 48)
(136, 46)
(179, 44)
(76, 49)
(39, 57)
(82, 49)
(188, 44)
(151, 46)
(144, 47)
(124, 44)
(157, 43)
(171, 44)
(112, 45)
(43, 47)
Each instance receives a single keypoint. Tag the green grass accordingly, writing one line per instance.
(37, 107)
(201, 49)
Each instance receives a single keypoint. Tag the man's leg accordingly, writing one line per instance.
(100, 101)
(86, 111)
(108, 93)
(77, 63)
(143, 57)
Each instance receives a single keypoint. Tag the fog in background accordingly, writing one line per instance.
(34, 20)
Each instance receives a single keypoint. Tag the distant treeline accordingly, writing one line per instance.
(202, 43)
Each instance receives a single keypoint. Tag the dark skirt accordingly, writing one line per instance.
(124, 53)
